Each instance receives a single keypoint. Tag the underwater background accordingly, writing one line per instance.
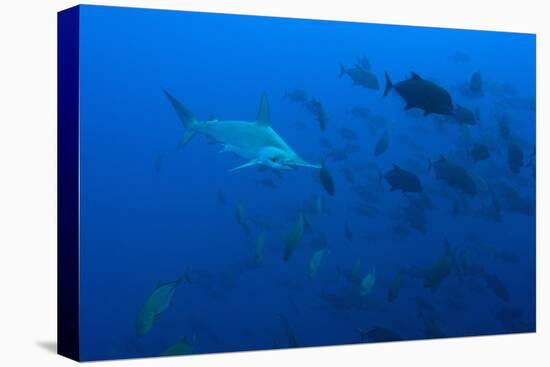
(172, 232)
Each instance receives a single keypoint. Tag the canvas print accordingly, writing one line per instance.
(246, 183)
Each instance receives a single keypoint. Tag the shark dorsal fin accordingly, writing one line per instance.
(415, 76)
(264, 116)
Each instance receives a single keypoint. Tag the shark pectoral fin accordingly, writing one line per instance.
(302, 163)
(248, 164)
(187, 136)
(311, 165)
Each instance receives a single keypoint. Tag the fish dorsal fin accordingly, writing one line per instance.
(264, 116)
(415, 76)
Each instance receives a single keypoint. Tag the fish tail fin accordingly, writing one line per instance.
(389, 84)
(186, 118)
(342, 71)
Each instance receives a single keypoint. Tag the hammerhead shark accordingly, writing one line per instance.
(255, 141)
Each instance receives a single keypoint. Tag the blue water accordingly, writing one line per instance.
(150, 211)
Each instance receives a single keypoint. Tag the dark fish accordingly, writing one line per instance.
(496, 285)
(379, 334)
(326, 180)
(400, 179)
(183, 347)
(422, 94)
(360, 76)
(293, 239)
(315, 107)
(395, 287)
(515, 158)
(503, 121)
(454, 175)
(433, 329)
(465, 116)
(157, 303)
(515, 202)
(440, 269)
(347, 134)
(479, 152)
(289, 332)
(347, 232)
(297, 95)
(381, 145)
(476, 82)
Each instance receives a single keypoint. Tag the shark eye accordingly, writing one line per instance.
(274, 159)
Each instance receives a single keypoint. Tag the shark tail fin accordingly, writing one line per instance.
(389, 84)
(186, 118)
(342, 71)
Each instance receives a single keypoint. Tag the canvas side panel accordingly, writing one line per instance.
(68, 183)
